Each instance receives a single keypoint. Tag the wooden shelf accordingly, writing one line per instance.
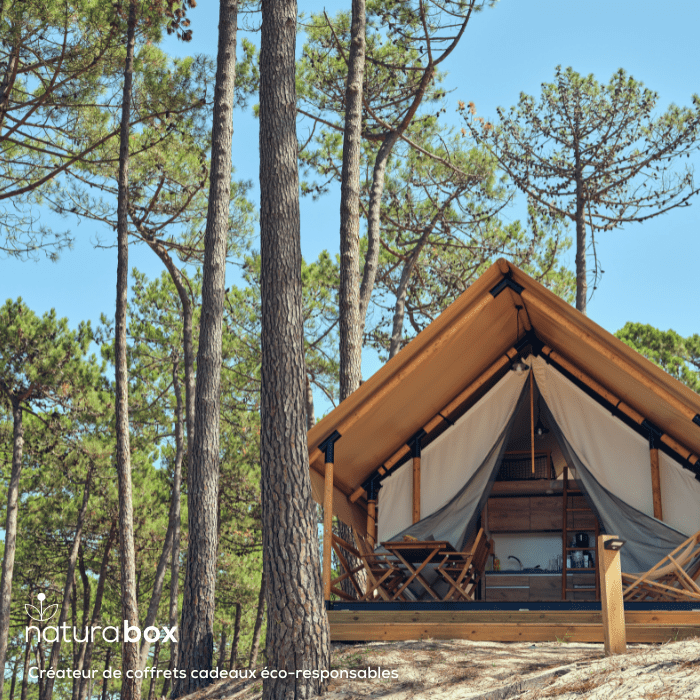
(578, 504)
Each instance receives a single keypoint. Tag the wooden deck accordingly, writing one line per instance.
(652, 626)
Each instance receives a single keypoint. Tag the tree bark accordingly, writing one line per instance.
(581, 281)
(175, 513)
(40, 664)
(86, 653)
(105, 682)
(8, 81)
(298, 637)
(197, 628)
(157, 591)
(350, 321)
(8, 560)
(25, 671)
(222, 650)
(68, 588)
(310, 412)
(236, 639)
(349, 303)
(152, 686)
(131, 687)
(187, 341)
(14, 678)
(257, 629)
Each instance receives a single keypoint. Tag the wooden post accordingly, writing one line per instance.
(532, 423)
(416, 489)
(415, 444)
(656, 482)
(328, 447)
(372, 522)
(612, 605)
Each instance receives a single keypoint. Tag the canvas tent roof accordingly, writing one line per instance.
(462, 355)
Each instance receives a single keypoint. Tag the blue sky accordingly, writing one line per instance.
(513, 47)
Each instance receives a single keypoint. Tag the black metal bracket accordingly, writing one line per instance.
(654, 434)
(696, 419)
(415, 442)
(446, 419)
(530, 338)
(506, 283)
(327, 446)
(372, 486)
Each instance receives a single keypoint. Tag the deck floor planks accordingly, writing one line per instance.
(508, 626)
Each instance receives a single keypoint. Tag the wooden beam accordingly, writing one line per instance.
(612, 606)
(372, 523)
(616, 359)
(416, 489)
(381, 388)
(532, 423)
(327, 530)
(463, 396)
(656, 482)
(615, 401)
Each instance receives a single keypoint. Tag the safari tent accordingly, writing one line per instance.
(513, 431)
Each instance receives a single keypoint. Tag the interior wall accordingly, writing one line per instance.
(532, 549)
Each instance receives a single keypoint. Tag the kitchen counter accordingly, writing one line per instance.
(523, 572)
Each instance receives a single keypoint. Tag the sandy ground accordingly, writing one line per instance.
(464, 670)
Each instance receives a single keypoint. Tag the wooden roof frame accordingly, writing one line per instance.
(449, 365)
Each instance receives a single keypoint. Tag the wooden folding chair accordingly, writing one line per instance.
(674, 578)
(384, 575)
(463, 570)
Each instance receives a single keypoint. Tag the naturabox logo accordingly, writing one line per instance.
(131, 633)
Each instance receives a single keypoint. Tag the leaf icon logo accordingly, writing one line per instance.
(40, 614)
(50, 612)
(33, 612)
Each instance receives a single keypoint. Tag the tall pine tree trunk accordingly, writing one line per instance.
(222, 651)
(236, 639)
(298, 636)
(8, 560)
(175, 514)
(25, 670)
(69, 587)
(105, 682)
(349, 306)
(86, 652)
(15, 666)
(131, 687)
(257, 629)
(187, 338)
(196, 631)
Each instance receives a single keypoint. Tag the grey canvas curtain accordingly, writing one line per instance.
(456, 520)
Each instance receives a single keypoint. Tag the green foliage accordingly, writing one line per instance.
(679, 356)
(593, 153)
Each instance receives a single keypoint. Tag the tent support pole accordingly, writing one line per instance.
(532, 423)
(416, 489)
(372, 523)
(415, 444)
(372, 489)
(656, 482)
(328, 447)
